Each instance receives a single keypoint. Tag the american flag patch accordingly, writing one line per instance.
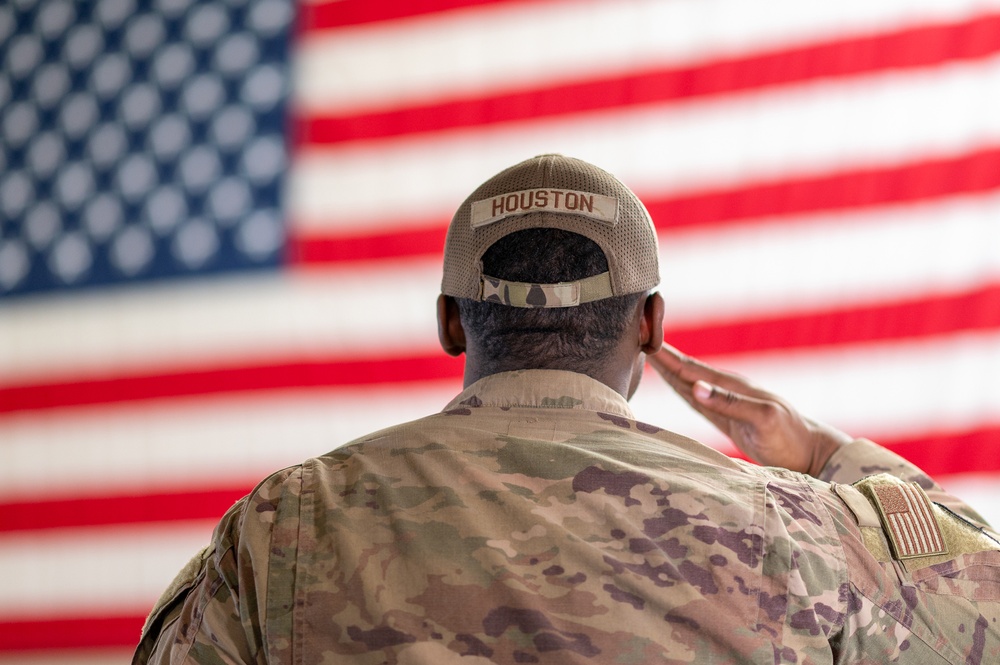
(909, 520)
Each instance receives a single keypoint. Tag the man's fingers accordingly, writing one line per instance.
(760, 423)
(728, 401)
(682, 373)
(691, 370)
(671, 361)
(745, 409)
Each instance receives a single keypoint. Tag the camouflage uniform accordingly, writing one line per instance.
(535, 521)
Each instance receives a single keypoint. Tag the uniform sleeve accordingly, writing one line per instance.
(210, 613)
(863, 458)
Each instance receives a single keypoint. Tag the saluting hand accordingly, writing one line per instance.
(762, 425)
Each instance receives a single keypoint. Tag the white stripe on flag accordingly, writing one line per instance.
(871, 256)
(831, 260)
(197, 442)
(903, 528)
(980, 490)
(358, 68)
(878, 390)
(94, 570)
(186, 324)
(881, 119)
(892, 390)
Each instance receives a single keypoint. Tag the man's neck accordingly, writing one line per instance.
(619, 378)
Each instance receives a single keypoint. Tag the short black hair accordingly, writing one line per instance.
(573, 338)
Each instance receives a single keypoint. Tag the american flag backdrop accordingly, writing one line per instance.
(221, 226)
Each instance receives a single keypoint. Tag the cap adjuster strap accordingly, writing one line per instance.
(564, 294)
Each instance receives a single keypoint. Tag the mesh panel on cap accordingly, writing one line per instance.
(630, 246)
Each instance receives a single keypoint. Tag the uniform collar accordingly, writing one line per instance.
(543, 389)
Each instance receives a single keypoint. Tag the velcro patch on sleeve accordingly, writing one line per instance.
(909, 520)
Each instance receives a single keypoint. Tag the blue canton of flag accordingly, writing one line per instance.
(141, 139)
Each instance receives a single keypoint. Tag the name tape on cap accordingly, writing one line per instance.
(594, 206)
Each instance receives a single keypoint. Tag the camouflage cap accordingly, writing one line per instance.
(552, 191)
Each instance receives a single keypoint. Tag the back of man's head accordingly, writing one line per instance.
(547, 261)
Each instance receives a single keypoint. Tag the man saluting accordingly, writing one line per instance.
(534, 520)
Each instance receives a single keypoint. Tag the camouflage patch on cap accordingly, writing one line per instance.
(564, 294)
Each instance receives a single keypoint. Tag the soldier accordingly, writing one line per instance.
(534, 520)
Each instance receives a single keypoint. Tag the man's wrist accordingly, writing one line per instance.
(827, 442)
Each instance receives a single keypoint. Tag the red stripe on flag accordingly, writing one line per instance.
(424, 238)
(231, 379)
(343, 13)
(951, 452)
(975, 310)
(925, 180)
(930, 179)
(907, 49)
(169, 506)
(70, 632)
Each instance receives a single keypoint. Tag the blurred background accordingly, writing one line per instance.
(221, 226)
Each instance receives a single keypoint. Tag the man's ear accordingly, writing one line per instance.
(651, 324)
(450, 330)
